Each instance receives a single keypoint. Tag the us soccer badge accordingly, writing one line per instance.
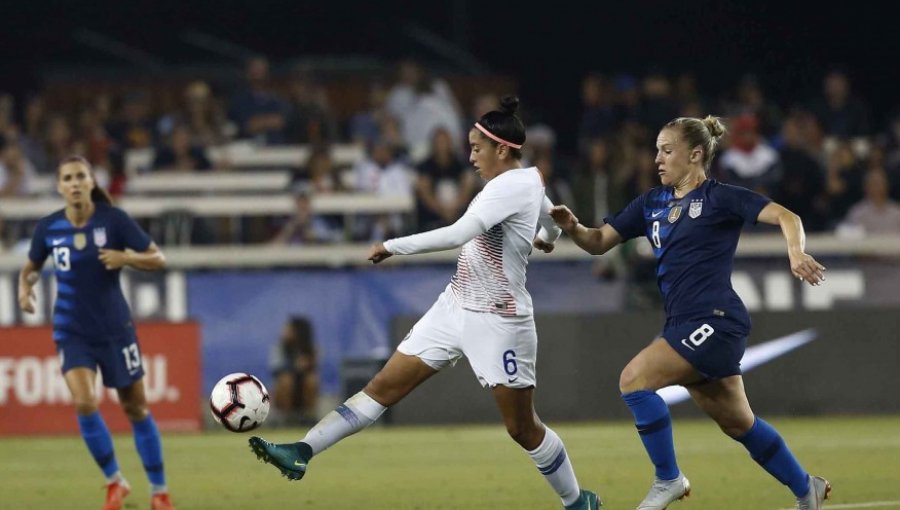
(79, 240)
(674, 213)
(696, 208)
(100, 237)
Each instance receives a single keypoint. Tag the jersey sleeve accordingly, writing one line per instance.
(549, 231)
(629, 222)
(38, 252)
(495, 203)
(742, 202)
(133, 236)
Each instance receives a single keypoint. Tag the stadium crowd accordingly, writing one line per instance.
(827, 159)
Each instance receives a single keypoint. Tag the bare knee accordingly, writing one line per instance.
(135, 410)
(527, 433)
(85, 405)
(631, 379)
(382, 392)
(734, 426)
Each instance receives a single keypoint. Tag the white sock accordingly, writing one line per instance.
(553, 462)
(116, 477)
(357, 413)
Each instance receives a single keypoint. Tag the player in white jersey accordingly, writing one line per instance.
(485, 314)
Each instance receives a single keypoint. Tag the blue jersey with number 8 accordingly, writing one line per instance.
(694, 239)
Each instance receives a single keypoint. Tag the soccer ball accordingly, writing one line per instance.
(239, 402)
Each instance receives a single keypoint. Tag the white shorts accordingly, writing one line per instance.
(501, 350)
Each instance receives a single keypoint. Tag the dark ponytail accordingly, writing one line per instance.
(98, 194)
(505, 124)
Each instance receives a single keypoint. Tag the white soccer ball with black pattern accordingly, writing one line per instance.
(239, 402)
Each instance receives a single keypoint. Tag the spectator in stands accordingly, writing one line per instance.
(422, 104)
(94, 139)
(135, 128)
(749, 98)
(258, 111)
(304, 226)
(294, 364)
(876, 213)
(7, 115)
(688, 97)
(17, 174)
(627, 98)
(382, 173)
(749, 161)
(201, 113)
(444, 187)
(179, 154)
(367, 125)
(310, 119)
(844, 181)
(31, 136)
(802, 184)
(841, 113)
(891, 145)
(319, 172)
(556, 188)
(658, 106)
(58, 142)
(598, 114)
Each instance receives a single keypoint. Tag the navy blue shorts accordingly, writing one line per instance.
(714, 344)
(119, 359)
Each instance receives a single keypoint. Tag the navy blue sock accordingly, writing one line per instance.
(99, 442)
(651, 416)
(149, 447)
(768, 449)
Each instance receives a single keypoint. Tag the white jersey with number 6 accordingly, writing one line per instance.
(490, 271)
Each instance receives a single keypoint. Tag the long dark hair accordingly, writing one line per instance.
(505, 124)
(98, 194)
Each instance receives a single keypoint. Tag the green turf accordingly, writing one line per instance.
(471, 467)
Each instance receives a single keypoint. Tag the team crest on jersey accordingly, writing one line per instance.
(696, 208)
(100, 237)
(79, 240)
(674, 213)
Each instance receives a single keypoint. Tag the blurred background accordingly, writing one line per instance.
(264, 146)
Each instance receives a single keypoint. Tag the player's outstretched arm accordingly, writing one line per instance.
(803, 266)
(595, 241)
(150, 259)
(445, 238)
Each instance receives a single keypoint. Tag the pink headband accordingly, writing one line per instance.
(496, 138)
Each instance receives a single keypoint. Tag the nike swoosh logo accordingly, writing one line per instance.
(755, 356)
(656, 214)
(57, 241)
(512, 379)
(301, 465)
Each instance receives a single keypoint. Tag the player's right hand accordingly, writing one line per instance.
(377, 253)
(26, 300)
(564, 217)
(542, 245)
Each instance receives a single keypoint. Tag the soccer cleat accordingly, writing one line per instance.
(587, 500)
(664, 492)
(290, 458)
(115, 494)
(819, 490)
(161, 501)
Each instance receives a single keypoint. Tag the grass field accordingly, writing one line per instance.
(472, 467)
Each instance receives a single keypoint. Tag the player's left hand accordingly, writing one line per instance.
(113, 259)
(542, 245)
(806, 268)
(377, 253)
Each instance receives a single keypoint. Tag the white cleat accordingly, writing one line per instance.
(819, 490)
(664, 492)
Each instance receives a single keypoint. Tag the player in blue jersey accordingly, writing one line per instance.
(693, 224)
(90, 241)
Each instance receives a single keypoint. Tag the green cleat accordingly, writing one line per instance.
(586, 501)
(290, 458)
